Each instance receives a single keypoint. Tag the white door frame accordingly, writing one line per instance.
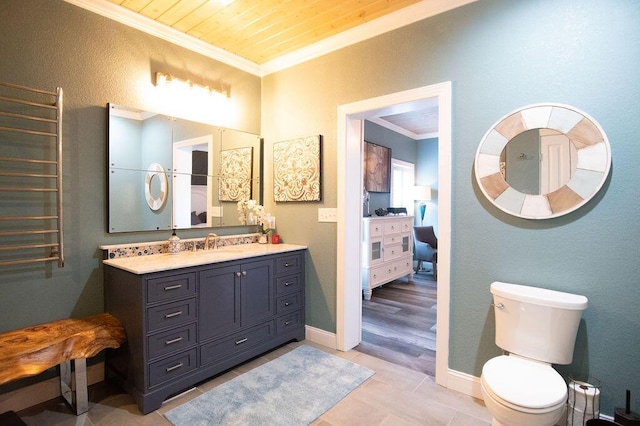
(182, 163)
(349, 213)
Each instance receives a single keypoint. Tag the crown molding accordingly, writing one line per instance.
(408, 133)
(149, 26)
(400, 18)
(390, 22)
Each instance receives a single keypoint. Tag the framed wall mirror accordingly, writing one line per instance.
(542, 161)
(171, 173)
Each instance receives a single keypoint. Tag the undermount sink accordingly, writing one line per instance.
(227, 250)
(218, 251)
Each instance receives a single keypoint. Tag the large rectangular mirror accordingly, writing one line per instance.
(167, 172)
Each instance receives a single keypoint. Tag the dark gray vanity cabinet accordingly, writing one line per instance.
(184, 326)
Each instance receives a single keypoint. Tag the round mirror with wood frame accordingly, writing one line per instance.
(580, 173)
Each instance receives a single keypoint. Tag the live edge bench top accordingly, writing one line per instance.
(34, 349)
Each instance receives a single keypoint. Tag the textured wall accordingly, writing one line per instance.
(500, 55)
(427, 174)
(49, 43)
(402, 148)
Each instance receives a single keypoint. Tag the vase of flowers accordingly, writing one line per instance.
(252, 213)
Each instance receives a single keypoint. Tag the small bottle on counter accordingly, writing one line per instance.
(174, 244)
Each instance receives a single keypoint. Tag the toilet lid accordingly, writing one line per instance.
(524, 383)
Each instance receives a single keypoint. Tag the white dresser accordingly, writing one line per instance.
(387, 251)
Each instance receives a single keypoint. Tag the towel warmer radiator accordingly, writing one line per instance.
(31, 213)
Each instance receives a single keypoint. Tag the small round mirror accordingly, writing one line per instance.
(542, 161)
(155, 186)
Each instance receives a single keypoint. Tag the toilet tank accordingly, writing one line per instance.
(537, 323)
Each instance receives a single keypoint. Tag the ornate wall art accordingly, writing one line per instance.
(377, 167)
(235, 174)
(296, 169)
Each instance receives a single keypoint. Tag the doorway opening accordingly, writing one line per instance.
(349, 214)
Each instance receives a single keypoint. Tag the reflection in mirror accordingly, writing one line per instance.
(538, 161)
(240, 171)
(155, 189)
(542, 161)
(191, 153)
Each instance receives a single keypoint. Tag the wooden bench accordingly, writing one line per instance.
(32, 350)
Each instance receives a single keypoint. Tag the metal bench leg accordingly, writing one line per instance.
(81, 404)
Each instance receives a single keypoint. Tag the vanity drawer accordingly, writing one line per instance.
(375, 229)
(171, 341)
(171, 287)
(167, 369)
(288, 264)
(231, 345)
(403, 266)
(288, 284)
(171, 314)
(393, 239)
(392, 227)
(379, 274)
(289, 322)
(288, 303)
(392, 252)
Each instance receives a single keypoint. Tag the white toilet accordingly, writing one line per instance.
(537, 328)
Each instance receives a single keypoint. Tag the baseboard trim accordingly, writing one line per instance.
(37, 393)
(464, 383)
(321, 337)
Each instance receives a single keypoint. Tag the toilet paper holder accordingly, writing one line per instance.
(583, 401)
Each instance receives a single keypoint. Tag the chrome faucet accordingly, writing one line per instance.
(215, 241)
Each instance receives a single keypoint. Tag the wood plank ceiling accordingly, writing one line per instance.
(262, 30)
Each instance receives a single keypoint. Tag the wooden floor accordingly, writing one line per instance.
(399, 323)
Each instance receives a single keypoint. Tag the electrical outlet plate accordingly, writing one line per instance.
(327, 215)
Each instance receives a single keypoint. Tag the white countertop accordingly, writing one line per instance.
(165, 262)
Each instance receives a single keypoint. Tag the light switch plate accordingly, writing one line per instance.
(327, 215)
(216, 211)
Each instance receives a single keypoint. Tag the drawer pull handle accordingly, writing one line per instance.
(288, 283)
(287, 303)
(175, 314)
(288, 322)
(175, 367)
(241, 341)
(287, 264)
(172, 287)
(172, 341)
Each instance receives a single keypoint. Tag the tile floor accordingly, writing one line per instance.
(394, 396)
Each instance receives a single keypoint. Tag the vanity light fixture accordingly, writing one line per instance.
(164, 79)
(422, 193)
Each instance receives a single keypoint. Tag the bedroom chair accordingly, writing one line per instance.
(426, 247)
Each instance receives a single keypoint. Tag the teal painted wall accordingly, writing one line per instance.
(49, 43)
(402, 148)
(427, 174)
(500, 55)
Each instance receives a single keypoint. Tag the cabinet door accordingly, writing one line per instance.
(257, 292)
(219, 303)
(375, 251)
(406, 244)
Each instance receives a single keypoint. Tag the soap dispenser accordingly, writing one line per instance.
(174, 243)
